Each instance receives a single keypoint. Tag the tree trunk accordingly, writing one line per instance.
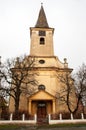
(17, 104)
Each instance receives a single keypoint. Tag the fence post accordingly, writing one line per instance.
(35, 118)
(60, 116)
(71, 116)
(49, 117)
(23, 117)
(82, 116)
(11, 117)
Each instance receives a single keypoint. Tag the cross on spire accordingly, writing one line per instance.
(41, 4)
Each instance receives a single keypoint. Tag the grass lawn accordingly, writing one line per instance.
(9, 127)
(35, 127)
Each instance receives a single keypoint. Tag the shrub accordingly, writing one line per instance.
(55, 116)
(18, 115)
(5, 115)
(77, 116)
(66, 116)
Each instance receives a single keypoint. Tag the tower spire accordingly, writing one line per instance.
(42, 20)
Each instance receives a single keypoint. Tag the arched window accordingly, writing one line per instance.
(42, 41)
(41, 87)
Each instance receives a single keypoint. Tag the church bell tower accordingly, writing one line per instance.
(41, 37)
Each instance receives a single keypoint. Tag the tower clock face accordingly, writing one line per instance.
(42, 33)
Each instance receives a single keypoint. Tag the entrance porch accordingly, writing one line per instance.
(41, 104)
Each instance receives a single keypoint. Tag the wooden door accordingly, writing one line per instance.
(41, 112)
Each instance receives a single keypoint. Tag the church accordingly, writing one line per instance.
(44, 101)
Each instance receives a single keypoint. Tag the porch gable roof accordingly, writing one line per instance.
(42, 95)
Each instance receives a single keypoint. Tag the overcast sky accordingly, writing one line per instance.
(68, 17)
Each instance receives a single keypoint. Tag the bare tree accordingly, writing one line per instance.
(2, 93)
(80, 83)
(19, 77)
(67, 95)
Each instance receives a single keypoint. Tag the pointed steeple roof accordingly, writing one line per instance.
(42, 20)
